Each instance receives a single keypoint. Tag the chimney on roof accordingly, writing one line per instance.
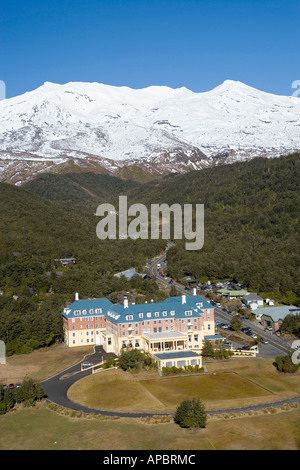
(194, 291)
(184, 299)
(76, 296)
(125, 302)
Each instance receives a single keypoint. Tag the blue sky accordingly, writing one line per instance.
(137, 43)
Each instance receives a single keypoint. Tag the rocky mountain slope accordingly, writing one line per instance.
(128, 132)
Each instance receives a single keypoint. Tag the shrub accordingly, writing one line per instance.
(285, 364)
(191, 414)
(133, 359)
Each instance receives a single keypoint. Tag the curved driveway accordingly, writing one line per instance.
(56, 390)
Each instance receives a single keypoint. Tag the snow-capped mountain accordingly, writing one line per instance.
(158, 128)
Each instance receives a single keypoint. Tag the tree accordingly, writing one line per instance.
(207, 349)
(191, 414)
(291, 325)
(135, 359)
(173, 292)
(236, 323)
(286, 364)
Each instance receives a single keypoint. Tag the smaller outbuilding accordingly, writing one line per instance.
(253, 301)
(274, 316)
(129, 273)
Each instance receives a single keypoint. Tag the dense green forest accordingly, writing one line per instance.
(251, 236)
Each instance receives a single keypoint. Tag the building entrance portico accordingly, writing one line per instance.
(165, 341)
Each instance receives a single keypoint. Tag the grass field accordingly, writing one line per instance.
(40, 428)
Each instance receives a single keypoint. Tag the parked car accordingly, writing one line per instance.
(246, 329)
(253, 335)
(268, 328)
(264, 341)
(87, 364)
(11, 386)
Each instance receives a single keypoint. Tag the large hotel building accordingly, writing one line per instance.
(173, 331)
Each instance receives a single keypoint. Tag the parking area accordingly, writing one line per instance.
(269, 346)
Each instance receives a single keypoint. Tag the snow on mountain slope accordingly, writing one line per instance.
(157, 128)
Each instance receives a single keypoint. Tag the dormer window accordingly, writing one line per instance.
(129, 317)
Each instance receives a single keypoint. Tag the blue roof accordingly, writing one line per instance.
(87, 307)
(176, 355)
(212, 337)
(172, 307)
(190, 300)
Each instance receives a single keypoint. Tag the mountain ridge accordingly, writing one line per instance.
(157, 129)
